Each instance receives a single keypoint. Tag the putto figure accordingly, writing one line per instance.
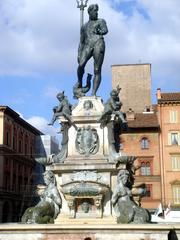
(113, 106)
(64, 108)
(92, 45)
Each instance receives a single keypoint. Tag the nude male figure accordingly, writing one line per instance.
(92, 45)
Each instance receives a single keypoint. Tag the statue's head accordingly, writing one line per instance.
(114, 94)
(123, 176)
(93, 11)
(60, 96)
(85, 206)
(88, 105)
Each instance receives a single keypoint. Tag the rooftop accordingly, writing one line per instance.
(144, 120)
(167, 97)
(170, 97)
(7, 110)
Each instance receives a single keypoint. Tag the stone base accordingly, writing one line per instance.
(89, 221)
(90, 232)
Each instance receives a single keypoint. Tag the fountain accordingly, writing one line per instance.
(95, 182)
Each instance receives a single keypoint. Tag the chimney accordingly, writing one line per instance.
(158, 93)
(130, 115)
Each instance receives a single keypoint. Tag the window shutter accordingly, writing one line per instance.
(178, 138)
(171, 116)
(169, 138)
(175, 116)
(176, 194)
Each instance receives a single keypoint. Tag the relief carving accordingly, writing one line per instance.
(87, 141)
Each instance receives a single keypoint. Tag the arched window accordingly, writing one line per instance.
(144, 143)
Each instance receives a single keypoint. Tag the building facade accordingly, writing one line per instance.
(157, 147)
(169, 119)
(17, 160)
(142, 140)
(135, 83)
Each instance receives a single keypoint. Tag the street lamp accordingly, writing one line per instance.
(81, 5)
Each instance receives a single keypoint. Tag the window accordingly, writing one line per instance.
(14, 142)
(7, 165)
(148, 191)
(145, 168)
(175, 160)
(6, 182)
(173, 116)
(26, 147)
(8, 138)
(176, 194)
(20, 146)
(14, 139)
(174, 138)
(31, 151)
(144, 143)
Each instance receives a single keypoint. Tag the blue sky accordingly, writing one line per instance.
(39, 40)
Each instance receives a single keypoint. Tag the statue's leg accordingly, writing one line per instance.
(52, 120)
(98, 56)
(85, 56)
(80, 73)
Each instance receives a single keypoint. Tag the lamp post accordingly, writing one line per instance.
(81, 4)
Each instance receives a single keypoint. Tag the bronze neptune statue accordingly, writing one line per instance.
(91, 45)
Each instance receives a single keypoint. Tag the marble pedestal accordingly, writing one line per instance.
(86, 178)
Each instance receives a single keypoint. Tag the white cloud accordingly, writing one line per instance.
(42, 124)
(37, 36)
(42, 36)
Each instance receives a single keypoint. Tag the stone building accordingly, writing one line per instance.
(169, 119)
(17, 152)
(142, 140)
(135, 83)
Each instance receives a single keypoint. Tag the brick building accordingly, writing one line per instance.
(153, 135)
(17, 149)
(142, 140)
(169, 119)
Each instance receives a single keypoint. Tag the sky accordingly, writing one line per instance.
(39, 41)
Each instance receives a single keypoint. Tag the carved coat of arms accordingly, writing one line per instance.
(87, 141)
